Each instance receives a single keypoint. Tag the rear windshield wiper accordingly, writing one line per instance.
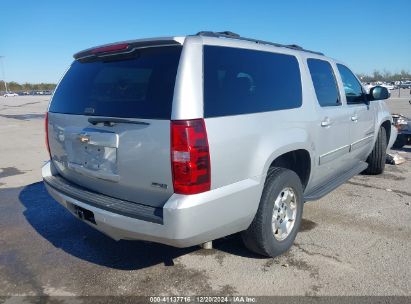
(112, 121)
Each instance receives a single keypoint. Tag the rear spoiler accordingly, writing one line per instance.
(125, 47)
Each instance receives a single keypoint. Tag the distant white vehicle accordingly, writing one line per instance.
(367, 87)
(405, 84)
(388, 86)
(10, 94)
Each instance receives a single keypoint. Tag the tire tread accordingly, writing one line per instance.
(376, 160)
(253, 237)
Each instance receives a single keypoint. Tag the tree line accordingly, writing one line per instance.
(373, 77)
(385, 76)
(17, 87)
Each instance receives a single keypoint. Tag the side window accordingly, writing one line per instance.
(352, 87)
(242, 81)
(324, 82)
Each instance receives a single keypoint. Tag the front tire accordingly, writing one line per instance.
(376, 160)
(279, 214)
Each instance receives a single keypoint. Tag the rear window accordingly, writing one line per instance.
(140, 87)
(241, 81)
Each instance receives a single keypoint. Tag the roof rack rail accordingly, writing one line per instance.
(231, 35)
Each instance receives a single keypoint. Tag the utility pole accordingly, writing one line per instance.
(3, 73)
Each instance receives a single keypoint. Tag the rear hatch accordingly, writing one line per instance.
(109, 122)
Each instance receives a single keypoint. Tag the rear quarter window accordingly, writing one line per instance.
(137, 87)
(242, 81)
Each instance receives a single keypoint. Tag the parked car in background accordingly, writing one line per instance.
(388, 86)
(183, 140)
(405, 85)
(367, 86)
(10, 94)
(403, 125)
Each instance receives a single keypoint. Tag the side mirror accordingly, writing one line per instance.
(379, 93)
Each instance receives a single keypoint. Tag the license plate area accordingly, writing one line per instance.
(93, 153)
(95, 157)
(84, 214)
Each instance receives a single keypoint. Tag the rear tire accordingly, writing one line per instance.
(266, 235)
(376, 160)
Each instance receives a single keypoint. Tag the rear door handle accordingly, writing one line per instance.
(326, 122)
(354, 118)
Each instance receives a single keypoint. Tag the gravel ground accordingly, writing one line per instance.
(354, 241)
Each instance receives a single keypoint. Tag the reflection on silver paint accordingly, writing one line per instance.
(362, 142)
(329, 156)
(188, 90)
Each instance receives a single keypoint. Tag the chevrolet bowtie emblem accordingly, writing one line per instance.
(84, 138)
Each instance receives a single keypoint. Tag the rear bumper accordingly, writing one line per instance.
(186, 220)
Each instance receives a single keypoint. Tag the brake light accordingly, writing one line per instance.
(110, 48)
(46, 127)
(190, 156)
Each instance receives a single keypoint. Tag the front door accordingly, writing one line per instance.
(361, 130)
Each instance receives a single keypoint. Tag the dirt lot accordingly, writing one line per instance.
(355, 241)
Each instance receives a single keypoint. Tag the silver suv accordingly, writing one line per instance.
(183, 140)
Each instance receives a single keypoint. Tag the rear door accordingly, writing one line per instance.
(361, 115)
(109, 124)
(332, 128)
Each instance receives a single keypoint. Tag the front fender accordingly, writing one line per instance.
(383, 115)
(393, 137)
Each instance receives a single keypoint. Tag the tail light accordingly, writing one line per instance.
(190, 156)
(46, 127)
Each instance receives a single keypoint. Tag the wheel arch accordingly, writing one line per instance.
(297, 159)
